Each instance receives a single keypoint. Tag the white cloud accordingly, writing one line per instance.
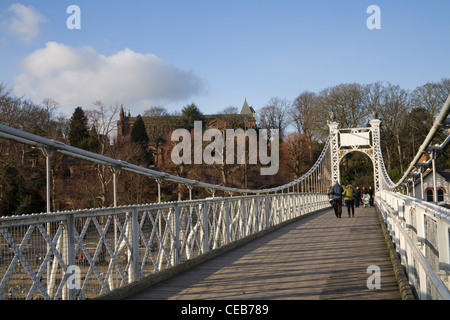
(79, 76)
(25, 22)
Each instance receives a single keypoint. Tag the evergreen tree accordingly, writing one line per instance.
(140, 137)
(139, 133)
(189, 114)
(78, 131)
(93, 143)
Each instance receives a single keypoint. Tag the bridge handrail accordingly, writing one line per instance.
(113, 247)
(420, 232)
(20, 136)
(440, 120)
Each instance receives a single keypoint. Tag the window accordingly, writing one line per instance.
(430, 195)
(440, 195)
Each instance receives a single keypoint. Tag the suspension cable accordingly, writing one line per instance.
(60, 147)
(440, 120)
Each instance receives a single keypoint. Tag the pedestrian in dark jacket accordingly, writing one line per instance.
(370, 192)
(336, 193)
(357, 197)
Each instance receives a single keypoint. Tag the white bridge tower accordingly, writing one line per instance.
(365, 140)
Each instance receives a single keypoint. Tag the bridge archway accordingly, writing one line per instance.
(356, 168)
(347, 140)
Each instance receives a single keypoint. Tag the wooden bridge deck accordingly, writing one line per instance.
(319, 257)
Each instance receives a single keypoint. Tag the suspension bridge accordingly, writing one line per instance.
(277, 243)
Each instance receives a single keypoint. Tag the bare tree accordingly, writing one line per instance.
(103, 120)
(304, 114)
(297, 147)
(275, 115)
(373, 96)
(230, 110)
(156, 134)
(9, 104)
(229, 119)
(156, 111)
(346, 102)
(394, 111)
(51, 106)
(431, 96)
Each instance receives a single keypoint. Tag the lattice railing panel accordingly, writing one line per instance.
(84, 254)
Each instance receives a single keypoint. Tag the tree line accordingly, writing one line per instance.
(406, 115)
(406, 118)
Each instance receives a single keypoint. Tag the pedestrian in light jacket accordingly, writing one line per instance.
(349, 199)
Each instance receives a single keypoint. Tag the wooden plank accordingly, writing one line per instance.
(320, 257)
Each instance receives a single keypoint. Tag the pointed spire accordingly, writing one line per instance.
(121, 114)
(246, 109)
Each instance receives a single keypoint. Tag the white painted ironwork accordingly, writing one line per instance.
(57, 146)
(355, 139)
(150, 238)
(420, 231)
(112, 247)
(365, 140)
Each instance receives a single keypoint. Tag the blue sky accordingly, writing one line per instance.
(215, 53)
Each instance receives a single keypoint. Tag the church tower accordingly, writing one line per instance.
(246, 109)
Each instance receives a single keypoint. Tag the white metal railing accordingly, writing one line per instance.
(49, 146)
(86, 253)
(420, 231)
(83, 254)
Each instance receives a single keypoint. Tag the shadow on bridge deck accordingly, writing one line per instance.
(319, 257)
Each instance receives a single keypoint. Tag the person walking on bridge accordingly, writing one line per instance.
(370, 193)
(357, 197)
(349, 199)
(336, 194)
